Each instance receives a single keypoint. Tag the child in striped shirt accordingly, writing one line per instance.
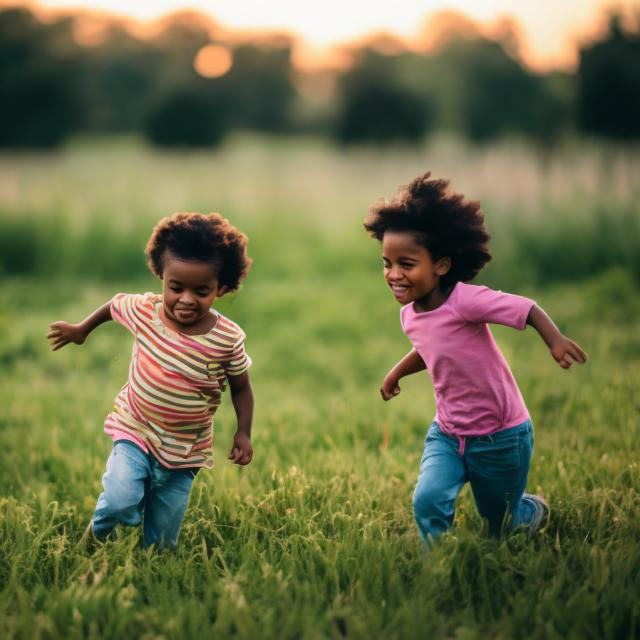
(184, 354)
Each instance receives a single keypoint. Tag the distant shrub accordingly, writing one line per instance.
(609, 84)
(18, 247)
(551, 247)
(49, 243)
(39, 104)
(382, 114)
(558, 247)
(376, 107)
(499, 96)
(186, 118)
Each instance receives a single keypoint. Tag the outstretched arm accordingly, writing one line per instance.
(411, 363)
(242, 398)
(61, 333)
(564, 351)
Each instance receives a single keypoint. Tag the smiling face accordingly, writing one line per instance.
(410, 271)
(189, 288)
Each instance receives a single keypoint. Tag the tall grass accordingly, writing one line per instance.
(89, 211)
(315, 538)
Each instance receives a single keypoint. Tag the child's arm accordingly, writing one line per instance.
(61, 333)
(411, 363)
(564, 351)
(242, 398)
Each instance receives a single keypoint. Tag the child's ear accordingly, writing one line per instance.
(221, 291)
(443, 266)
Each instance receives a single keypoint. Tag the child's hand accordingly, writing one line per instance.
(62, 333)
(565, 352)
(241, 451)
(389, 388)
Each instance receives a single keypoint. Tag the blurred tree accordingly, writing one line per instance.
(609, 84)
(498, 96)
(377, 106)
(39, 105)
(258, 88)
(185, 117)
(119, 81)
(255, 94)
(52, 83)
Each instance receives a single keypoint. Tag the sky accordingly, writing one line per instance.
(549, 29)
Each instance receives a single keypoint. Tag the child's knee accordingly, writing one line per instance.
(122, 502)
(426, 502)
(433, 512)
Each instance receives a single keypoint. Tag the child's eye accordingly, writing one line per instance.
(175, 289)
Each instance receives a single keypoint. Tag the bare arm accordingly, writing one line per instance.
(242, 398)
(564, 351)
(61, 333)
(411, 363)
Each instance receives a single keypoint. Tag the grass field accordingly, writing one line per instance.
(315, 538)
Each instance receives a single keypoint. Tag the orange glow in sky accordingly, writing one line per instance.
(213, 61)
(548, 29)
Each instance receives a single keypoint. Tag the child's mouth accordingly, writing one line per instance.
(399, 290)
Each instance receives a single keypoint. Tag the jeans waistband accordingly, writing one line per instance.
(462, 440)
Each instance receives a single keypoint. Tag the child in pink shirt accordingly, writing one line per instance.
(433, 243)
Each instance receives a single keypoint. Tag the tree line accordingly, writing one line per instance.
(52, 86)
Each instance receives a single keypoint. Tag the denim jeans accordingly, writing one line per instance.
(137, 488)
(496, 465)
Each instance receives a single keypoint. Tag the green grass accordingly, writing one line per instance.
(315, 538)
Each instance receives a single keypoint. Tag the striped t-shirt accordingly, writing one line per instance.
(175, 382)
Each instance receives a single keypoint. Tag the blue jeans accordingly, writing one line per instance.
(496, 465)
(137, 488)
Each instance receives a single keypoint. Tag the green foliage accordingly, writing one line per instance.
(39, 104)
(185, 118)
(52, 85)
(53, 244)
(376, 107)
(315, 538)
(561, 239)
(609, 83)
(498, 96)
(557, 246)
(257, 92)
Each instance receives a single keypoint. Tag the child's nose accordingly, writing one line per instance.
(393, 273)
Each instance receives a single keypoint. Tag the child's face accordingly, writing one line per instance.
(409, 268)
(189, 288)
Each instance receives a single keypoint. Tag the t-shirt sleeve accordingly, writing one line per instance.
(480, 304)
(240, 361)
(125, 310)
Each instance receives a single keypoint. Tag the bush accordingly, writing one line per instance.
(185, 118)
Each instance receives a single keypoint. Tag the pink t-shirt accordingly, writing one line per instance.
(475, 391)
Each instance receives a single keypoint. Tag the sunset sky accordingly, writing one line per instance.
(549, 28)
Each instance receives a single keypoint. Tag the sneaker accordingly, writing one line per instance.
(540, 512)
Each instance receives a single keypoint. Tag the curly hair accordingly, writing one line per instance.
(205, 238)
(441, 221)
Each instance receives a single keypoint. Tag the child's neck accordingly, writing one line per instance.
(434, 299)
